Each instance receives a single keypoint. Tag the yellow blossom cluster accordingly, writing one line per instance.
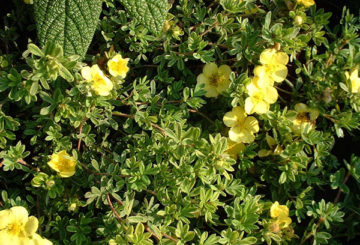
(214, 79)
(261, 89)
(29, 1)
(63, 163)
(354, 78)
(100, 83)
(306, 3)
(16, 227)
(280, 215)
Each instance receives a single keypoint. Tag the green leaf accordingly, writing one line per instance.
(70, 23)
(150, 13)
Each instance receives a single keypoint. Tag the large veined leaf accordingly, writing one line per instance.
(70, 23)
(150, 13)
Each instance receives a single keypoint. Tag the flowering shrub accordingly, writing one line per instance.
(179, 122)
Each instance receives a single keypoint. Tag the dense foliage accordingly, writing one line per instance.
(186, 122)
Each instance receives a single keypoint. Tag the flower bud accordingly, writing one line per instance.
(274, 227)
(72, 207)
(50, 183)
(298, 20)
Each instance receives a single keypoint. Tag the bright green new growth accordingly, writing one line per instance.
(150, 13)
(70, 23)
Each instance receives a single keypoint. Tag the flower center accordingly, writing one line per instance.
(14, 228)
(214, 79)
(302, 117)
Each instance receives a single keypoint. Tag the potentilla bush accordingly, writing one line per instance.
(178, 122)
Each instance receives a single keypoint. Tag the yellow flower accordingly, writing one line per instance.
(29, 1)
(273, 65)
(242, 128)
(16, 227)
(281, 214)
(63, 164)
(274, 148)
(118, 66)
(306, 3)
(354, 79)
(261, 95)
(99, 82)
(234, 148)
(304, 116)
(216, 79)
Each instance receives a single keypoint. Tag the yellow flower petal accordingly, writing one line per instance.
(266, 57)
(210, 69)
(224, 70)
(211, 91)
(234, 148)
(31, 225)
(284, 221)
(246, 136)
(230, 119)
(240, 113)
(261, 107)
(234, 134)
(306, 3)
(201, 78)
(86, 73)
(249, 105)
(4, 218)
(301, 108)
(251, 124)
(20, 214)
(222, 85)
(281, 58)
(279, 73)
(271, 95)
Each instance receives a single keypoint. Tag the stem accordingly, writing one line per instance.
(80, 131)
(340, 191)
(22, 162)
(38, 212)
(322, 219)
(283, 90)
(201, 114)
(208, 30)
(113, 209)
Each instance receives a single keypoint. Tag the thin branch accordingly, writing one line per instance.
(38, 212)
(340, 191)
(322, 219)
(283, 90)
(113, 209)
(80, 131)
(201, 114)
(22, 162)
(208, 30)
